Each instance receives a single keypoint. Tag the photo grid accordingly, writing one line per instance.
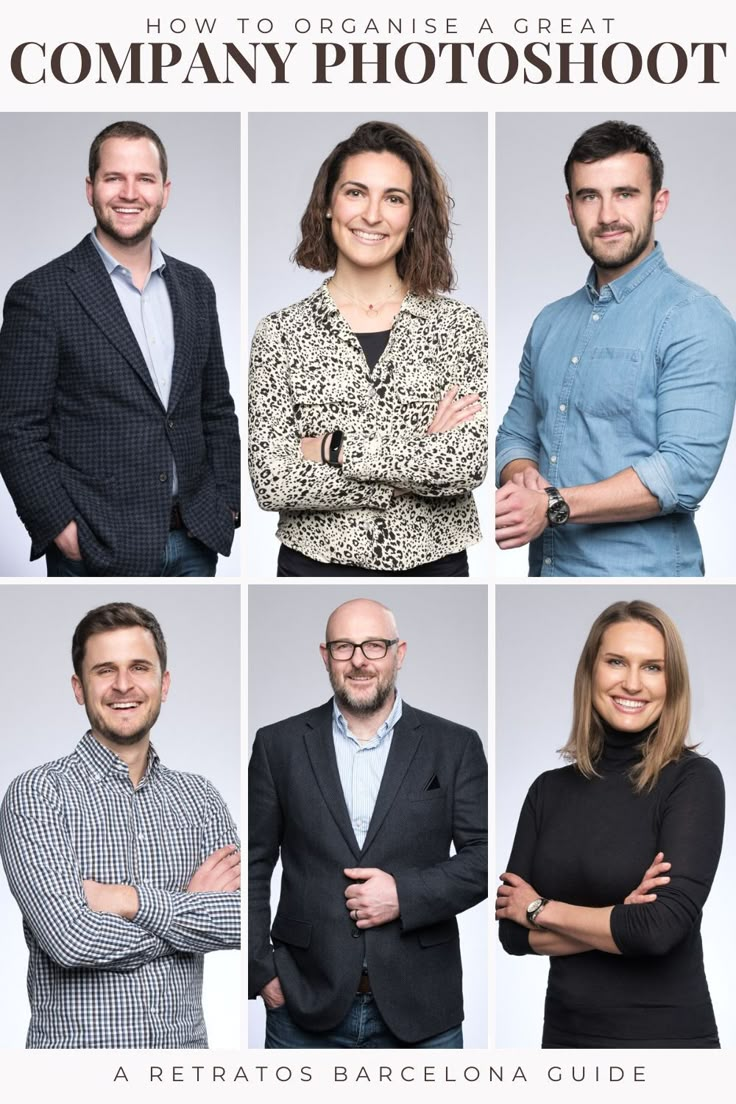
(207, 425)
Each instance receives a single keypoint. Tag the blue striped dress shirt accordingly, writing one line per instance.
(361, 766)
(94, 978)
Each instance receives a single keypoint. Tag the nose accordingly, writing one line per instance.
(372, 210)
(123, 681)
(607, 212)
(127, 189)
(358, 658)
(632, 680)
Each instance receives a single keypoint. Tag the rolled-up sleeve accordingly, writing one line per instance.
(518, 434)
(696, 391)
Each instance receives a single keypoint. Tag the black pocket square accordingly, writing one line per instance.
(433, 784)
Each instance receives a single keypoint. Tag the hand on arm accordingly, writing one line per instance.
(219, 873)
(273, 994)
(453, 411)
(372, 898)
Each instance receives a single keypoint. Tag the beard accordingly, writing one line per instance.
(364, 704)
(151, 216)
(624, 252)
(100, 727)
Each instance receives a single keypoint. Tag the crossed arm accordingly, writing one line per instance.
(81, 923)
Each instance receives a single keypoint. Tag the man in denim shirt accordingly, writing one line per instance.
(626, 391)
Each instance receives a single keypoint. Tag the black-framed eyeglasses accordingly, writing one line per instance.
(371, 649)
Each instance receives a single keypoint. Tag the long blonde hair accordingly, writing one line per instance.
(666, 742)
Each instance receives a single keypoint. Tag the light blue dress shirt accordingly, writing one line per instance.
(151, 319)
(640, 374)
(361, 766)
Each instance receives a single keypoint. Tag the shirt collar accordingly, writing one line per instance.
(102, 762)
(158, 261)
(619, 289)
(388, 725)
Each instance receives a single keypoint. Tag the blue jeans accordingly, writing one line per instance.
(183, 556)
(362, 1027)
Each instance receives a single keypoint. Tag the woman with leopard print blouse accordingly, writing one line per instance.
(367, 418)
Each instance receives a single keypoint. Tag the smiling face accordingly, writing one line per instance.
(371, 209)
(122, 686)
(128, 193)
(612, 207)
(363, 686)
(629, 685)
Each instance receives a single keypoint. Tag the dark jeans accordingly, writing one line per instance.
(294, 564)
(183, 556)
(362, 1027)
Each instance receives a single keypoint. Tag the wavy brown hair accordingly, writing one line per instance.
(424, 262)
(666, 742)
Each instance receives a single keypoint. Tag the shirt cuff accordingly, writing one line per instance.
(513, 452)
(155, 910)
(656, 476)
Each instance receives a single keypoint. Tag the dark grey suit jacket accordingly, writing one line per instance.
(83, 434)
(297, 809)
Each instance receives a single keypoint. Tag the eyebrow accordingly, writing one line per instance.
(619, 188)
(114, 663)
(617, 655)
(359, 184)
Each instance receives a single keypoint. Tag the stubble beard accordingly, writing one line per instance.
(606, 261)
(382, 691)
(109, 227)
(123, 739)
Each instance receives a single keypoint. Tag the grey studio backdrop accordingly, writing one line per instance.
(43, 185)
(540, 632)
(198, 731)
(539, 258)
(445, 672)
(285, 152)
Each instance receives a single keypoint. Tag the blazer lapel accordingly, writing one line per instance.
(404, 743)
(90, 283)
(184, 310)
(321, 751)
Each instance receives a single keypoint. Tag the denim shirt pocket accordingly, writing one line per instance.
(606, 386)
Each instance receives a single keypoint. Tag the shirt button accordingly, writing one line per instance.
(596, 317)
(575, 360)
(548, 559)
(563, 408)
(553, 459)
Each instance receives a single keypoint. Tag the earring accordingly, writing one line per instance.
(328, 215)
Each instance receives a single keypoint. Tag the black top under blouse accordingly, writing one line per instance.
(588, 842)
(373, 345)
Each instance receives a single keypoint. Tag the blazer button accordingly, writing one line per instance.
(163, 477)
(170, 423)
(355, 935)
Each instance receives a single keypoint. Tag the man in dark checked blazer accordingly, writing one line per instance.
(362, 799)
(118, 437)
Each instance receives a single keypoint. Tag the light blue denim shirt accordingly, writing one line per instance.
(640, 374)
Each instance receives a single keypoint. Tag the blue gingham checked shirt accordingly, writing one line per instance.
(95, 979)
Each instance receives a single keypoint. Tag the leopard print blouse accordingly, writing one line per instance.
(403, 496)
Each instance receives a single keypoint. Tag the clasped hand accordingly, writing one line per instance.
(521, 509)
(372, 898)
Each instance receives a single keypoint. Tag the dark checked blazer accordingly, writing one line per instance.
(83, 434)
(433, 793)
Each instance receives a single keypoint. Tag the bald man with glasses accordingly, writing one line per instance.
(362, 800)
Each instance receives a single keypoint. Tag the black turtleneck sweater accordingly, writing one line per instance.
(588, 842)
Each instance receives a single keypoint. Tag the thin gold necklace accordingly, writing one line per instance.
(369, 308)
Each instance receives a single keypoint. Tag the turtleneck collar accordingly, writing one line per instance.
(621, 749)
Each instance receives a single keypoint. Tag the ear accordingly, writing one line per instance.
(165, 684)
(78, 690)
(568, 201)
(660, 204)
(325, 655)
(89, 187)
(167, 189)
(400, 653)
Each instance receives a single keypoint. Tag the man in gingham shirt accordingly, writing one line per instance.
(125, 872)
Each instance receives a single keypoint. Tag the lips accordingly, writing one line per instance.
(123, 706)
(629, 705)
(368, 237)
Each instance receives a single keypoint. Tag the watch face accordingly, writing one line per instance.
(532, 908)
(557, 510)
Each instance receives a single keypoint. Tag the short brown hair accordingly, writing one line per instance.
(612, 137)
(127, 128)
(666, 742)
(424, 261)
(115, 615)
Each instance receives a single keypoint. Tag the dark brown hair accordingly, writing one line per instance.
(424, 261)
(126, 128)
(115, 615)
(612, 137)
(666, 742)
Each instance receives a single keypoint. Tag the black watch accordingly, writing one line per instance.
(557, 509)
(335, 445)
